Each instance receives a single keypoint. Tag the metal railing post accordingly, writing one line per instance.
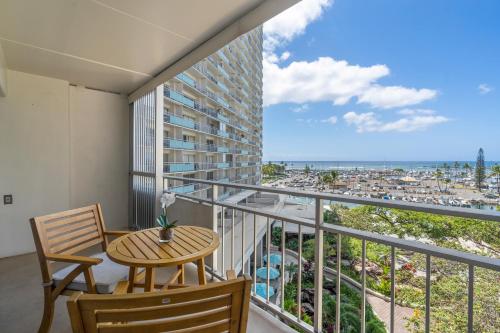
(254, 254)
(283, 254)
(243, 242)
(215, 226)
(232, 238)
(318, 266)
(427, 293)
(223, 237)
(339, 270)
(299, 277)
(470, 300)
(268, 258)
(393, 287)
(363, 286)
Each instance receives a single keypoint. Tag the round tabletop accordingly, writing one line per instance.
(143, 248)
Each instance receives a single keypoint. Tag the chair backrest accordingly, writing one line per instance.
(215, 307)
(67, 232)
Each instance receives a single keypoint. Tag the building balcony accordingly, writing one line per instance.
(186, 101)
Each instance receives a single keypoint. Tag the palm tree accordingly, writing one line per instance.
(467, 167)
(327, 179)
(335, 176)
(439, 175)
(456, 166)
(291, 269)
(495, 172)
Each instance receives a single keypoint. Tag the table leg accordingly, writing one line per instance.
(180, 280)
(131, 279)
(202, 279)
(149, 282)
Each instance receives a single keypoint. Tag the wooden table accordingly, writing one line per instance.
(143, 249)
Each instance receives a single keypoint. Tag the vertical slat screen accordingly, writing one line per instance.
(143, 161)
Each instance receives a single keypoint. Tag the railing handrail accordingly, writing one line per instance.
(410, 245)
(473, 213)
(320, 227)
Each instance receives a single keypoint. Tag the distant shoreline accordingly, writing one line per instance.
(376, 165)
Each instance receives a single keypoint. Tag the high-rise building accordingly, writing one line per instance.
(213, 118)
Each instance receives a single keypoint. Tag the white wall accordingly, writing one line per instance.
(61, 147)
(99, 153)
(3, 73)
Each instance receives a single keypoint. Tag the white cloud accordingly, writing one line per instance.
(484, 88)
(411, 112)
(308, 121)
(368, 122)
(301, 108)
(324, 79)
(395, 96)
(292, 22)
(332, 120)
(285, 55)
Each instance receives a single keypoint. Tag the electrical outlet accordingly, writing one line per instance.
(7, 199)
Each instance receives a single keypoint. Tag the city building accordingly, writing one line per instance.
(213, 118)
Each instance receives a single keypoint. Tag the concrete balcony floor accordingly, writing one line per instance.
(21, 301)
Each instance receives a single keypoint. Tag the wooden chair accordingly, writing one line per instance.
(57, 238)
(215, 307)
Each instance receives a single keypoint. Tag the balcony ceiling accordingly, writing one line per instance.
(120, 45)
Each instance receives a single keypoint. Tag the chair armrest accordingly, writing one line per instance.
(116, 232)
(231, 275)
(74, 259)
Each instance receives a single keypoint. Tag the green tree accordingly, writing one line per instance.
(307, 169)
(439, 176)
(467, 167)
(335, 176)
(480, 173)
(456, 167)
(495, 172)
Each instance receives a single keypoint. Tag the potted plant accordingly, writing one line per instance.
(166, 232)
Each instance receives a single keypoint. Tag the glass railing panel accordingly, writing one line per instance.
(179, 167)
(222, 165)
(223, 118)
(186, 79)
(222, 133)
(180, 144)
(182, 121)
(183, 189)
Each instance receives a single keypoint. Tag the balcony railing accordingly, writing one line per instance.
(179, 97)
(173, 143)
(320, 229)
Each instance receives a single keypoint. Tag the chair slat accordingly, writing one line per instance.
(166, 311)
(54, 232)
(66, 220)
(190, 321)
(74, 234)
(61, 248)
(83, 246)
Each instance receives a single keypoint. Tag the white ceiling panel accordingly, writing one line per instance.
(118, 45)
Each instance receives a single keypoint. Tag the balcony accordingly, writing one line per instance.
(179, 167)
(248, 216)
(112, 98)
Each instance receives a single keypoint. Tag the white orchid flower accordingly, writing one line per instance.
(167, 199)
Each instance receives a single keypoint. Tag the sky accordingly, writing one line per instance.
(382, 81)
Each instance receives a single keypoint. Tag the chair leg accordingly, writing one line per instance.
(48, 310)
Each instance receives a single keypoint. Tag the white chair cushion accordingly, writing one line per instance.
(106, 275)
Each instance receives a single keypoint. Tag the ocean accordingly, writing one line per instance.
(376, 165)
